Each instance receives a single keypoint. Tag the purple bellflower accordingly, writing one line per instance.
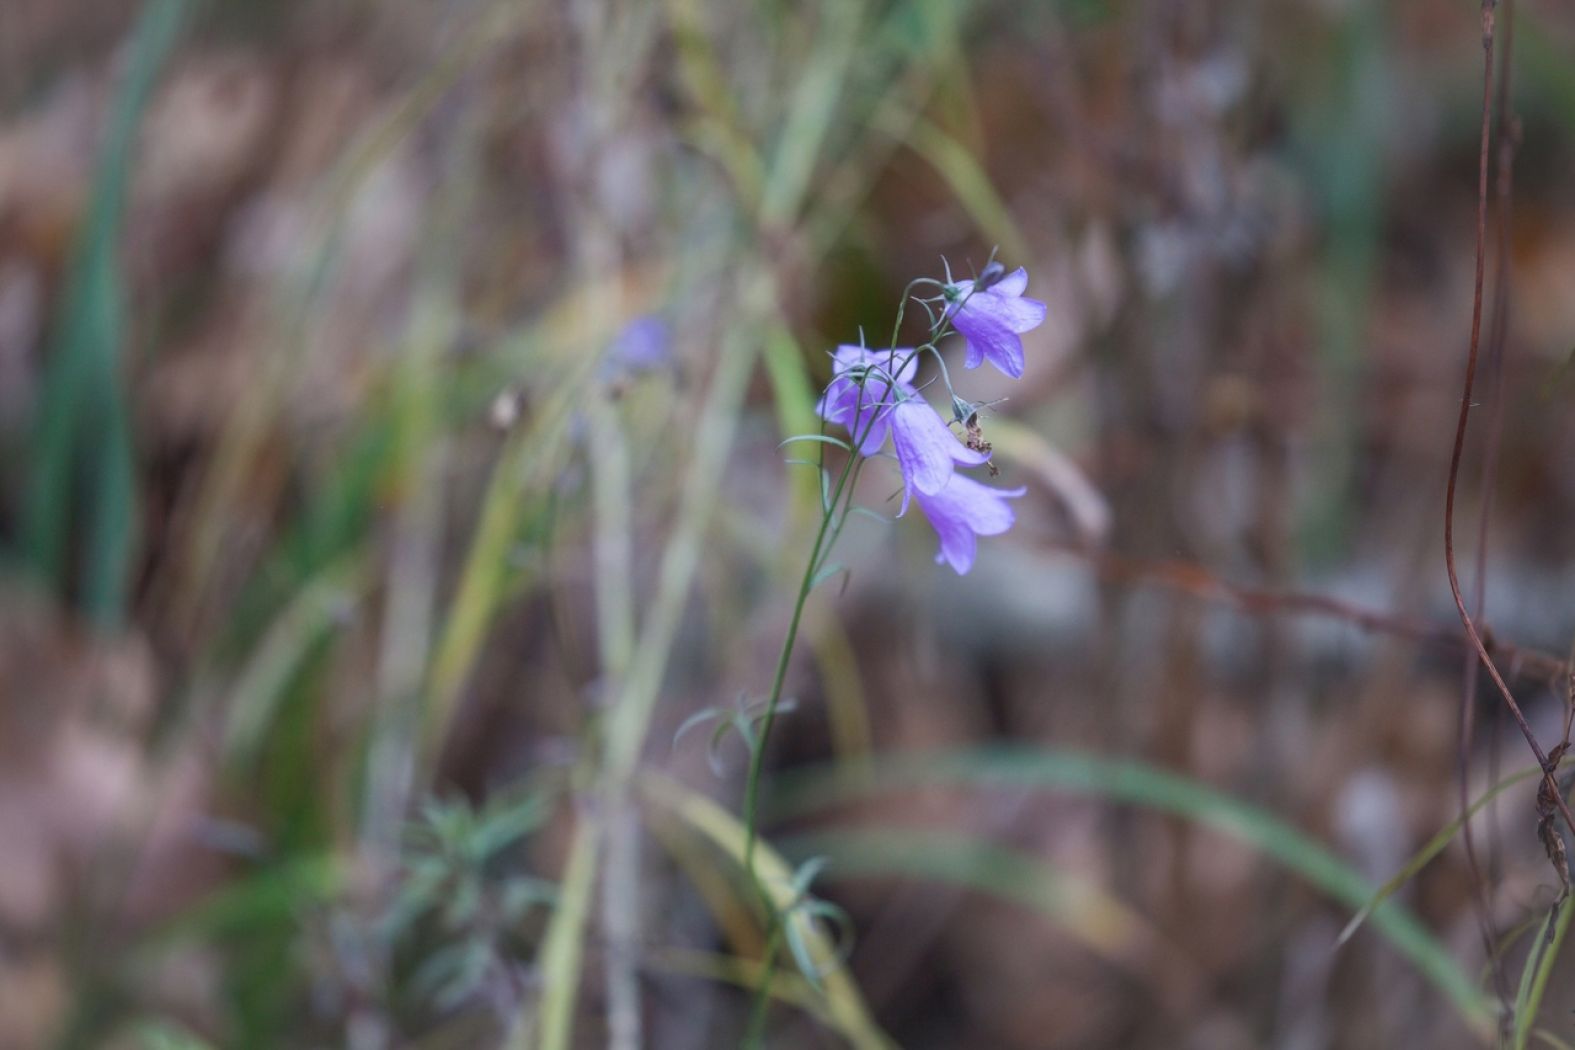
(861, 395)
(927, 450)
(961, 512)
(992, 314)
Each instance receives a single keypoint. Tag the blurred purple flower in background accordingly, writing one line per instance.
(643, 345)
(962, 511)
(927, 450)
(992, 313)
(860, 396)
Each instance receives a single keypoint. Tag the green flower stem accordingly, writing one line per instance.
(754, 1035)
(826, 536)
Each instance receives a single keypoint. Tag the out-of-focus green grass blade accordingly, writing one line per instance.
(968, 180)
(165, 1035)
(846, 706)
(526, 463)
(1528, 973)
(789, 988)
(260, 686)
(1552, 1040)
(565, 944)
(1340, 129)
(812, 111)
(300, 291)
(1133, 782)
(1529, 999)
(1434, 847)
(842, 1002)
(81, 483)
(794, 395)
(270, 896)
(1078, 906)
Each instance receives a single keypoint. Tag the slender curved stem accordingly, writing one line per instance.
(833, 518)
(1465, 414)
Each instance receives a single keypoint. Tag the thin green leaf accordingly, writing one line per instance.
(81, 484)
(793, 932)
(699, 718)
(806, 873)
(1526, 1010)
(1552, 1040)
(1425, 855)
(522, 893)
(1139, 784)
(866, 512)
(1081, 907)
(843, 1004)
(1523, 1018)
(828, 571)
(166, 1035)
(825, 439)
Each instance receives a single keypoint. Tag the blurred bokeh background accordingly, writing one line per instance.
(390, 403)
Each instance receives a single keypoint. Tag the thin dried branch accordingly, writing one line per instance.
(1456, 453)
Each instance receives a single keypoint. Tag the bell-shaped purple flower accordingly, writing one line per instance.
(862, 394)
(927, 450)
(992, 313)
(962, 511)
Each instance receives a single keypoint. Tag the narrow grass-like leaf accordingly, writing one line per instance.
(827, 572)
(81, 484)
(165, 1035)
(1133, 782)
(1530, 1001)
(1080, 907)
(823, 438)
(865, 512)
(699, 718)
(563, 947)
(745, 973)
(812, 111)
(1552, 1040)
(260, 686)
(842, 1002)
(801, 919)
(1434, 847)
(1528, 974)
(968, 180)
(794, 395)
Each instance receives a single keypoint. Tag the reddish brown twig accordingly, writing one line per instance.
(1465, 415)
(1195, 580)
(1498, 332)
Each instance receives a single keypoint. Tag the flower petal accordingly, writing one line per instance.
(984, 508)
(992, 339)
(958, 544)
(958, 548)
(962, 511)
(1013, 284)
(1020, 315)
(924, 446)
(874, 431)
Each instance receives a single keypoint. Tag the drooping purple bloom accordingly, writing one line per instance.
(927, 450)
(962, 511)
(861, 394)
(992, 313)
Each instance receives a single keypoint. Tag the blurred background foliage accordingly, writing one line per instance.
(390, 398)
